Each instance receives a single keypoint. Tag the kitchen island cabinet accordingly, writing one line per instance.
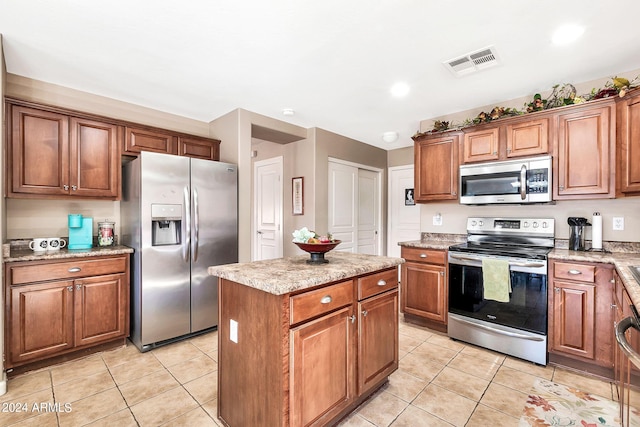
(302, 344)
(57, 307)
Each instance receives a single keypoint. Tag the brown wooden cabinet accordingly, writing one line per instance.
(57, 307)
(51, 154)
(424, 287)
(436, 163)
(628, 144)
(584, 162)
(139, 139)
(581, 314)
(328, 349)
(505, 139)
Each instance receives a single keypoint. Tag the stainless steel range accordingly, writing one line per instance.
(516, 324)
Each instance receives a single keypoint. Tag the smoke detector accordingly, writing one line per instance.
(474, 61)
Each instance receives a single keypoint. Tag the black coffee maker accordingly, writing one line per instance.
(577, 227)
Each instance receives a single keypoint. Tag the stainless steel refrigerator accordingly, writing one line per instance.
(180, 215)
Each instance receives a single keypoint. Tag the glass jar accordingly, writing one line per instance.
(105, 233)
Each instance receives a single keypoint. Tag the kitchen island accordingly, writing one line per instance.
(304, 344)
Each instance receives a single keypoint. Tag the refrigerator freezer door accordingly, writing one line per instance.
(214, 238)
(165, 280)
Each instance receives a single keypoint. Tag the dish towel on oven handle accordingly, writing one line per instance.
(497, 279)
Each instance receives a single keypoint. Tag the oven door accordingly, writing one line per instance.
(527, 306)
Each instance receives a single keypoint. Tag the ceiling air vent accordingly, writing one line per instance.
(472, 62)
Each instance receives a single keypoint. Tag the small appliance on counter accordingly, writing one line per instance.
(577, 233)
(80, 232)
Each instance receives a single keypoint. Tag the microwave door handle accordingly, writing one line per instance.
(523, 182)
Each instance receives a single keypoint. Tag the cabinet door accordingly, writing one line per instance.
(628, 137)
(436, 168)
(528, 138)
(94, 159)
(585, 154)
(322, 368)
(481, 145)
(39, 147)
(573, 310)
(377, 339)
(101, 307)
(41, 320)
(424, 291)
(200, 148)
(140, 139)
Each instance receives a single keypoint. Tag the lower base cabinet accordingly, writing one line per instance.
(49, 316)
(329, 349)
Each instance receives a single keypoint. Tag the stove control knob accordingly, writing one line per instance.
(480, 223)
(473, 223)
(535, 224)
(544, 224)
(526, 224)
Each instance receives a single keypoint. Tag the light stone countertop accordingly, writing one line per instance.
(429, 244)
(16, 255)
(284, 275)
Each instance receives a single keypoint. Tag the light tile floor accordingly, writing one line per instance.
(440, 382)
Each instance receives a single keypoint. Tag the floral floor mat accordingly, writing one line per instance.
(551, 404)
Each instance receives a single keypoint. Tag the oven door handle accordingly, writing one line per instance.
(621, 328)
(518, 264)
(501, 332)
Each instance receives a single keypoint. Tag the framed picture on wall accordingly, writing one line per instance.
(408, 197)
(297, 195)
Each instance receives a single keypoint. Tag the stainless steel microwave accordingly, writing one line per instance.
(526, 180)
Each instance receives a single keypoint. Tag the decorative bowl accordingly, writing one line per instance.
(317, 250)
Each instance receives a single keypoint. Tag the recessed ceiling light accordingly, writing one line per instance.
(400, 89)
(288, 111)
(567, 33)
(390, 136)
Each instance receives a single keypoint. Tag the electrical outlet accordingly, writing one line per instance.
(618, 223)
(437, 219)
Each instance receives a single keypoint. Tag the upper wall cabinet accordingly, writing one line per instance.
(141, 138)
(584, 161)
(511, 138)
(51, 154)
(436, 164)
(628, 144)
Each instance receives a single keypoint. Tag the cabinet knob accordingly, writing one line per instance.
(557, 290)
(325, 299)
(560, 187)
(614, 305)
(78, 287)
(575, 272)
(66, 187)
(442, 273)
(382, 282)
(74, 187)
(364, 313)
(352, 318)
(70, 288)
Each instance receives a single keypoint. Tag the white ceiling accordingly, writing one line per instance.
(332, 61)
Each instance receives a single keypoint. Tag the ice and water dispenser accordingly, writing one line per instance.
(166, 225)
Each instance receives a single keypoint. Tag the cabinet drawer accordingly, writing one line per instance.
(313, 303)
(377, 283)
(577, 272)
(66, 270)
(430, 256)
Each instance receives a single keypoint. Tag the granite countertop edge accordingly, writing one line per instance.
(17, 255)
(285, 275)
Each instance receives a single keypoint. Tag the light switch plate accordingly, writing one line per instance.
(233, 331)
(437, 219)
(618, 223)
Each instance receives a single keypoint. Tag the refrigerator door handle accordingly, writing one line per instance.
(187, 222)
(196, 224)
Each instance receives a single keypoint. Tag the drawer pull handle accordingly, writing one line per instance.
(574, 272)
(382, 282)
(74, 269)
(423, 255)
(325, 299)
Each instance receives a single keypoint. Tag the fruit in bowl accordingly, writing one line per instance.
(314, 244)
